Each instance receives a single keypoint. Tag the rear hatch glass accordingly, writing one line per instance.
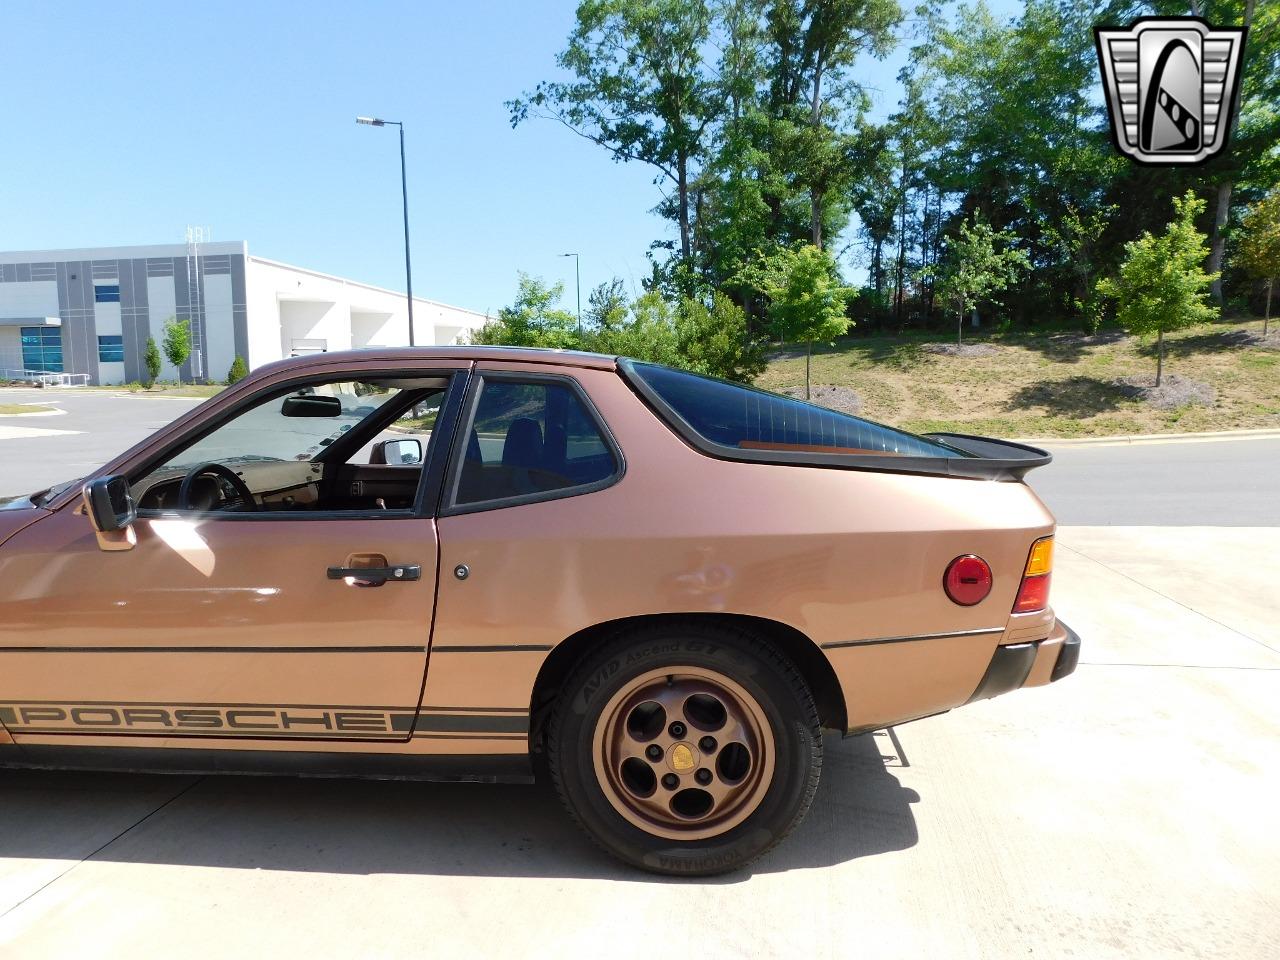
(742, 418)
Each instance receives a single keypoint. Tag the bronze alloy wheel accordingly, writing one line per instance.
(685, 748)
(683, 753)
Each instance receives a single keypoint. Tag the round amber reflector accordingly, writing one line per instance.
(967, 580)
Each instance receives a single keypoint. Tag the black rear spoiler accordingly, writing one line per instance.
(992, 459)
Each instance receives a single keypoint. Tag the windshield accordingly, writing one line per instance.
(281, 429)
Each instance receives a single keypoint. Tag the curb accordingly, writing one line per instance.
(1222, 435)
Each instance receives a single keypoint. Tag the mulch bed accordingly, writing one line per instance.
(843, 399)
(961, 349)
(1270, 342)
(1175, 391)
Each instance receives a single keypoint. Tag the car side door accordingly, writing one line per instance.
(254, 626)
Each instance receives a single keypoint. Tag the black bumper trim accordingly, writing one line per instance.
(1068, 657)
(1008, 670)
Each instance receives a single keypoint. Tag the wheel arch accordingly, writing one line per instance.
(802, 651)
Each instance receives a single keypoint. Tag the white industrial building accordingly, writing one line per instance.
(85, 315)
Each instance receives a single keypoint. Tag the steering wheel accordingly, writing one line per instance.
(243, 495)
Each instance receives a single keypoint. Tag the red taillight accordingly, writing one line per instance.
(967, 580)
(1033, 594)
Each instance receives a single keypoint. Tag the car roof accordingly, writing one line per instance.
(563, 358)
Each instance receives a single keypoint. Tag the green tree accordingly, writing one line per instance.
(1259, 246)
(1258, 71)
(1162, 284)
(1075, 237)
(1015, 131)
(715, 340)
(607, 305)
(533, 320)
(976, 267)
(646, 331)
(641, 88)
(806, 300)
(873, 198)
(688, 334)
(812, 47)
(176, 339)
(151, 361)
(239, 370)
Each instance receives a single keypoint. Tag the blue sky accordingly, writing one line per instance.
(126, 123)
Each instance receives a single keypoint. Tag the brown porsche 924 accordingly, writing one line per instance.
(475, 563)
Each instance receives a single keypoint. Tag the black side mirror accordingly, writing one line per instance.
(311, 406)
(406, 451)
(110, 504)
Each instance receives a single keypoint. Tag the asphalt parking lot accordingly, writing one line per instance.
(1128, 811)
(88, 429)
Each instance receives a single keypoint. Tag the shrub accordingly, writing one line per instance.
(1162, 284)
(239, 370)
(151, 360)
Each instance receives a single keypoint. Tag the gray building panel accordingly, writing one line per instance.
(182, 301)
(133, 317)
(200, 330)
(239, 309)
(75, 308)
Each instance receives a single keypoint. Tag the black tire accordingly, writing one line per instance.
(753, 664)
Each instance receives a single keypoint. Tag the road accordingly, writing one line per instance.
(38, 451)
(1210, 483)
(1221, 483)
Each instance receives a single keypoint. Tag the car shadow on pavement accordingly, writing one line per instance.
(399, 827)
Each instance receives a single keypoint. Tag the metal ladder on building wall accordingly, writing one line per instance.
(195, 237)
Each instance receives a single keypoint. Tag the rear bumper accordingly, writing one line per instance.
(1032, 664)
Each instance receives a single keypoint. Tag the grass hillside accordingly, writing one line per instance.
(1063, 385)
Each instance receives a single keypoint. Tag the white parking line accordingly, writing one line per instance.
(28, 433)
(55, 412)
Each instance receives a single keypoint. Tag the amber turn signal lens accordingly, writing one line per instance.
(1041, 560)
(967, 580)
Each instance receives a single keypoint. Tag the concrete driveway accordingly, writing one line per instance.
(1129, 811)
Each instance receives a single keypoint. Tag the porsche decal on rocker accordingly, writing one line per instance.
(259, 720)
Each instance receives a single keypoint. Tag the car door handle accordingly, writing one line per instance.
(376, 576)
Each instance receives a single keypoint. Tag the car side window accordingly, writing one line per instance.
(321, 447)
(528, 439)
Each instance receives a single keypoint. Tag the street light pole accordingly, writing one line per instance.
(577, 277)
(404, 194)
